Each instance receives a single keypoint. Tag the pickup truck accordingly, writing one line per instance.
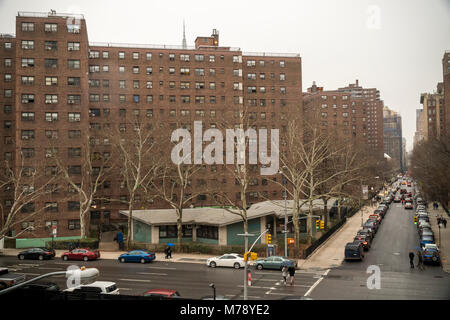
(10, 279)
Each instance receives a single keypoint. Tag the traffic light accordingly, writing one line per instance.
(268, 238)
(415, 220)
(250, 256)
(322, 224)
(317, 224)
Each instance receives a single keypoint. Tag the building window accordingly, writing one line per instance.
(27, 62)
(27, 44)
(171, 57)
(51, 63)
(50, 27)
(184, 57)
(27, 80)
(73, 224)
(51, 81)
(27, 98)
(51, 116)
(208, 232)
(51, 45)
(73, 64)
(199, 57)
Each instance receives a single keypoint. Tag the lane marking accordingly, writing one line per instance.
(31, 274)
(316, 284)
(135, 280)
(49, 268)
(164, 268)
(153, 273)
(232, 295)
(125, 289)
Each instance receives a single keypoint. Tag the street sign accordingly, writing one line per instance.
(291, 240)
(54, 231)
(322, 224)
(365, 191)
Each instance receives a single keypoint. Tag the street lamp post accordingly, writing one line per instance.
(285, 223)
(86, 273)
(214, 290)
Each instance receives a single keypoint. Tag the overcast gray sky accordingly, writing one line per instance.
(394, 45)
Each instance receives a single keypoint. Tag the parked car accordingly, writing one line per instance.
(426, 232)
(423, 217)
(368, 232)
(47, 286)
(141, 256)
(81, 254)
(8, 279)
(377, 217)
(162, 293)
(232, 260)
(354, 251)
(105, 287)
(364, 240)
(431, 253)
(409, 206)
(273, 262)
(426, 239)
(36, 253)
(372, 225)
(423, 224)
(420, 207)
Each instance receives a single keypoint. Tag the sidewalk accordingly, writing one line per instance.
(444, 245)
(331, 253)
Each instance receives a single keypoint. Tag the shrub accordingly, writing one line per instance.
(91, 243)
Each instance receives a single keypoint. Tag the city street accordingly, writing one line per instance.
(395, 238)
(190, 279)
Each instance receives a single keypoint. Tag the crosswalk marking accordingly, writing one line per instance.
(135, 280)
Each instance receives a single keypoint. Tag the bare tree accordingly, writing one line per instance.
(139, 163)
(26, 185)
(84, 180)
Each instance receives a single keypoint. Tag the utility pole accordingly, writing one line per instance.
(246, 235)
(285, 223)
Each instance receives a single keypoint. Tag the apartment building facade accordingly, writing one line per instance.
(57, 87)
(393, 143)
(374, 108)
(446, 91)
(434, 113)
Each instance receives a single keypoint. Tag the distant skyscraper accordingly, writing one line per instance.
(393, 144)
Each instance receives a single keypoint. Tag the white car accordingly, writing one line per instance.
(104, 287)
(232, 260)
(431, 246)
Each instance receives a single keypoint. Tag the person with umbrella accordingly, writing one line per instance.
(411, 259)
(168, 250)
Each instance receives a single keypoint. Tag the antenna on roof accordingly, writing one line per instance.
(184, 43)
(52, 12)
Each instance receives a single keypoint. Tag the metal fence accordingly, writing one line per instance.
(346, 214)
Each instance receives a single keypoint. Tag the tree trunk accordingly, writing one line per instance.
(130, 219)
(326, 213)
(296, 221)
(309, 225)
(82, 225)
(179, 225)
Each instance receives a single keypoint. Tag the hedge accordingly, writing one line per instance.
(90, 243)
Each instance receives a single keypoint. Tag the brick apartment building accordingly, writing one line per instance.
(353, 116)
(434, 113)
(56, 86)
(374, 111)
(446, 89)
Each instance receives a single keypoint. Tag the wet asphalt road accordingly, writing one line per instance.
(396, 236)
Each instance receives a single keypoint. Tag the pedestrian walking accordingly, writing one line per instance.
(420, 262)
(444, 221)
(411, 259)
(70, 246)
(120, 240)
(284, 273)
(291, 271)
(168, 252)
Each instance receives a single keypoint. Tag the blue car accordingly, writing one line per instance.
(141, 256)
